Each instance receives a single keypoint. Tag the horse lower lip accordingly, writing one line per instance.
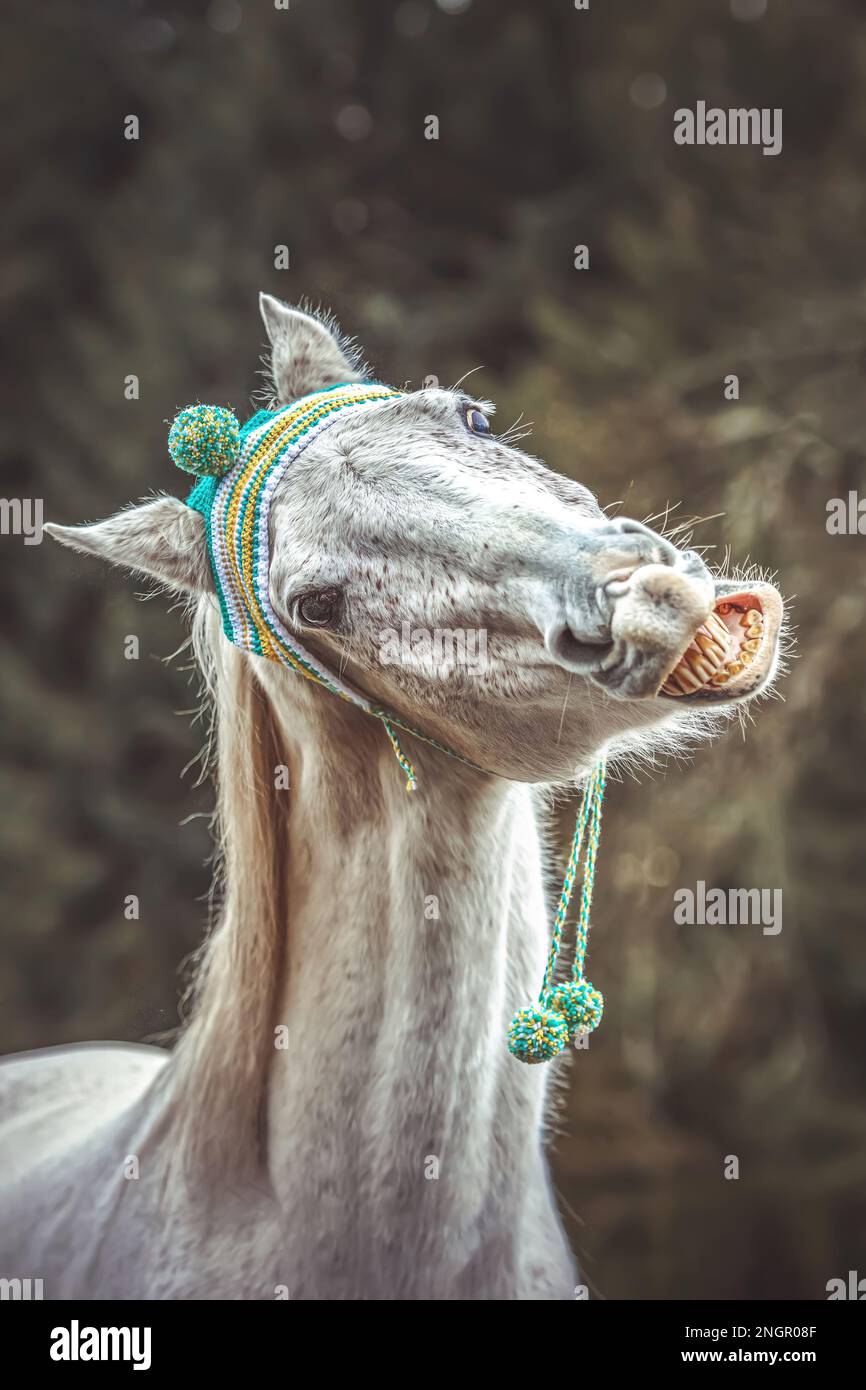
(725, 644)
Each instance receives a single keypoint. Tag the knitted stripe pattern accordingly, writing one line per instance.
(237, 507)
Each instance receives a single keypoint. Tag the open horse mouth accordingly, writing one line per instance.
(732, 650)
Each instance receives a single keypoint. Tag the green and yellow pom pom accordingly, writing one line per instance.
(536, 1035)
(579, 1004)
(205, 440)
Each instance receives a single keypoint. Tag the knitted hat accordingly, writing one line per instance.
(242, 468)
(239, 469)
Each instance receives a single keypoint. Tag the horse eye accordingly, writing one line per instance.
(477, 421)
(319, 609)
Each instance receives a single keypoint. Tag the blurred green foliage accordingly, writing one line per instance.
(306, 127)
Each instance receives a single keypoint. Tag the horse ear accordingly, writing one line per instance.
(307, 354)
(164, 539)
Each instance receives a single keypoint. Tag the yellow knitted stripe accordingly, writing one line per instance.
(292, 426)
(296, 423)
(266, 449)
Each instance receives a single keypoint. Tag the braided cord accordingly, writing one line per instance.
(406, 765)
(586, 805)
(590, 861)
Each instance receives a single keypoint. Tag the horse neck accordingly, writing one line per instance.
(416, 926)
(351, 1007)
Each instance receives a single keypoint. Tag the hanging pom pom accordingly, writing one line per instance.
(204, 440)
(536, 1035)
(579, 1004)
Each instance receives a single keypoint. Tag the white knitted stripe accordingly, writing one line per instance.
(261, 578)
(239, 601)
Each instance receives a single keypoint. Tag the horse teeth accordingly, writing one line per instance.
(687, 678)
(672, 685)
(702, 661)
(710, 648)
(750, 646)
(754, 617)
(720, 677)
(700, 667)
(756, 630)
(734, 668)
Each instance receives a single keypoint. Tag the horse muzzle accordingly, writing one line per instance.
(645, 620)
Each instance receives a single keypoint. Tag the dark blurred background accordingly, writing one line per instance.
(261, 127)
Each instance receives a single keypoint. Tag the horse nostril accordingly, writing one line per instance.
(648, 547)
(616, 583)
(575, 652)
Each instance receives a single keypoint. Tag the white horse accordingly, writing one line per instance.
(394, 1148)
